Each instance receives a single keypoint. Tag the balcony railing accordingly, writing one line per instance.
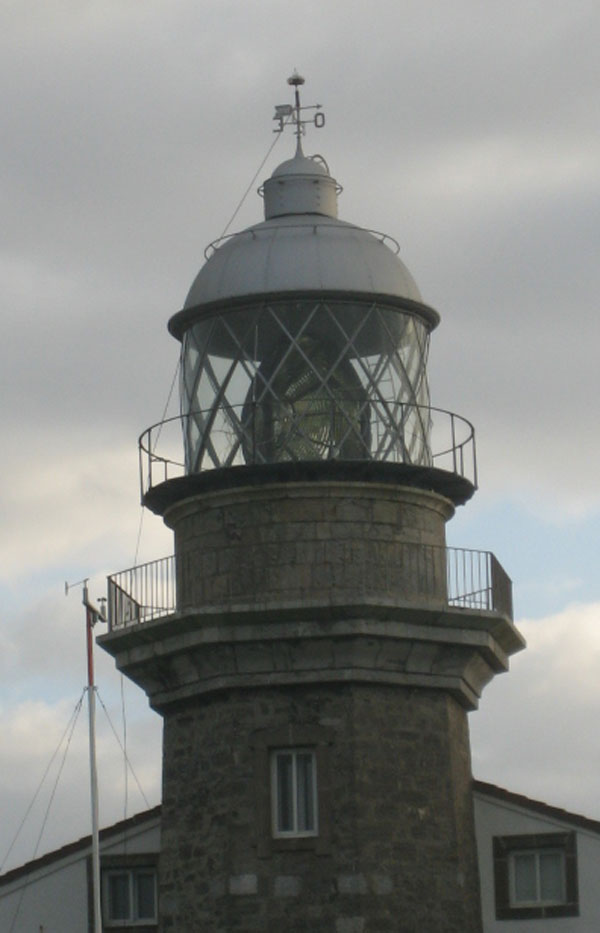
(474, 580)
(477, 580)
(212, 248)
(142, 593)
(225, 436)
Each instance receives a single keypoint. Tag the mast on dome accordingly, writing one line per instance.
(288, 114)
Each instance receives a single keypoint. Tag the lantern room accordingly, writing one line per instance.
(304, 340)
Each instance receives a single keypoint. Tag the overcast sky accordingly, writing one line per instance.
(469, 131)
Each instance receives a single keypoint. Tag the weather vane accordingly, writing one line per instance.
(288, 113)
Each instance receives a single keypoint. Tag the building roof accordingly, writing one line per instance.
(148, 816)
(81, 845)
(537, 806)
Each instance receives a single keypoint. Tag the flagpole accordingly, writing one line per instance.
(92, 615)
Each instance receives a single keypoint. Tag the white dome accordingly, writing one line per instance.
(302, 252)
(301, 246)
(300, 165)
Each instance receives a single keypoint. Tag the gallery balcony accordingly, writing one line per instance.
(379, 440)
(471, 580)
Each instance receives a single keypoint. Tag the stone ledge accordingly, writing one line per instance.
(173, 663)
(452, 487)
(215, 623)
(457, 687)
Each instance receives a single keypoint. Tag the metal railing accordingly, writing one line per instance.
(255, 232)
(474, 580)
(142, 593)
(400, 432)
(477, 580)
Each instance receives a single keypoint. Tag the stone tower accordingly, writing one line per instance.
(318, 648)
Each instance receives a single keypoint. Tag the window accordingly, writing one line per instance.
(293, 792)
(535, 876)
(129, 896)
(292, 788)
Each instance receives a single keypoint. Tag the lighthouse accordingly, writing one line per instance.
(313, 645)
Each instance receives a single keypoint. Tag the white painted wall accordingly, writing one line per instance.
(144, 839)
(498, 818)
(55, 895)
(53, 898)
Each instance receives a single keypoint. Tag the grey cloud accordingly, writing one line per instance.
(129, 134)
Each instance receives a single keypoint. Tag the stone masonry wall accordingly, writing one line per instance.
(398, 852)
(299, 541)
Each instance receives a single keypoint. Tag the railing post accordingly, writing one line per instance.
(110, 603)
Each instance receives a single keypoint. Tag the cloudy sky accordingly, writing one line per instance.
(467, 130)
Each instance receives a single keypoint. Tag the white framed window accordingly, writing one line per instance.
(129, 896)
(537, 877)
(294, 809)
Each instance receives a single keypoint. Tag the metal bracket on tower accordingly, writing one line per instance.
(287, 114)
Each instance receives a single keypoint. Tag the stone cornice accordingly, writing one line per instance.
(201, 652)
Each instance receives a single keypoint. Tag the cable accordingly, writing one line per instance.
(125, 769)
(255, 176)
(123, 750)
(74, 715)
(139, 535)
(168, 402)
(165, 409)
(73, 723)
(225, 229)
(60, 770)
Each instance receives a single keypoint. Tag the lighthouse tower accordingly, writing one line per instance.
(313, 646)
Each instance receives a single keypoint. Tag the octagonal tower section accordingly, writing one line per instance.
(313, 646)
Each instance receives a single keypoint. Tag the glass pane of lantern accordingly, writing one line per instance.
(308, 380)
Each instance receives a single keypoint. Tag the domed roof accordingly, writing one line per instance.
(301, 246)
(300, 165)
(302, 253)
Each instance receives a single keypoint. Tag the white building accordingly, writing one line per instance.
(52, 894)
(539, 868)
